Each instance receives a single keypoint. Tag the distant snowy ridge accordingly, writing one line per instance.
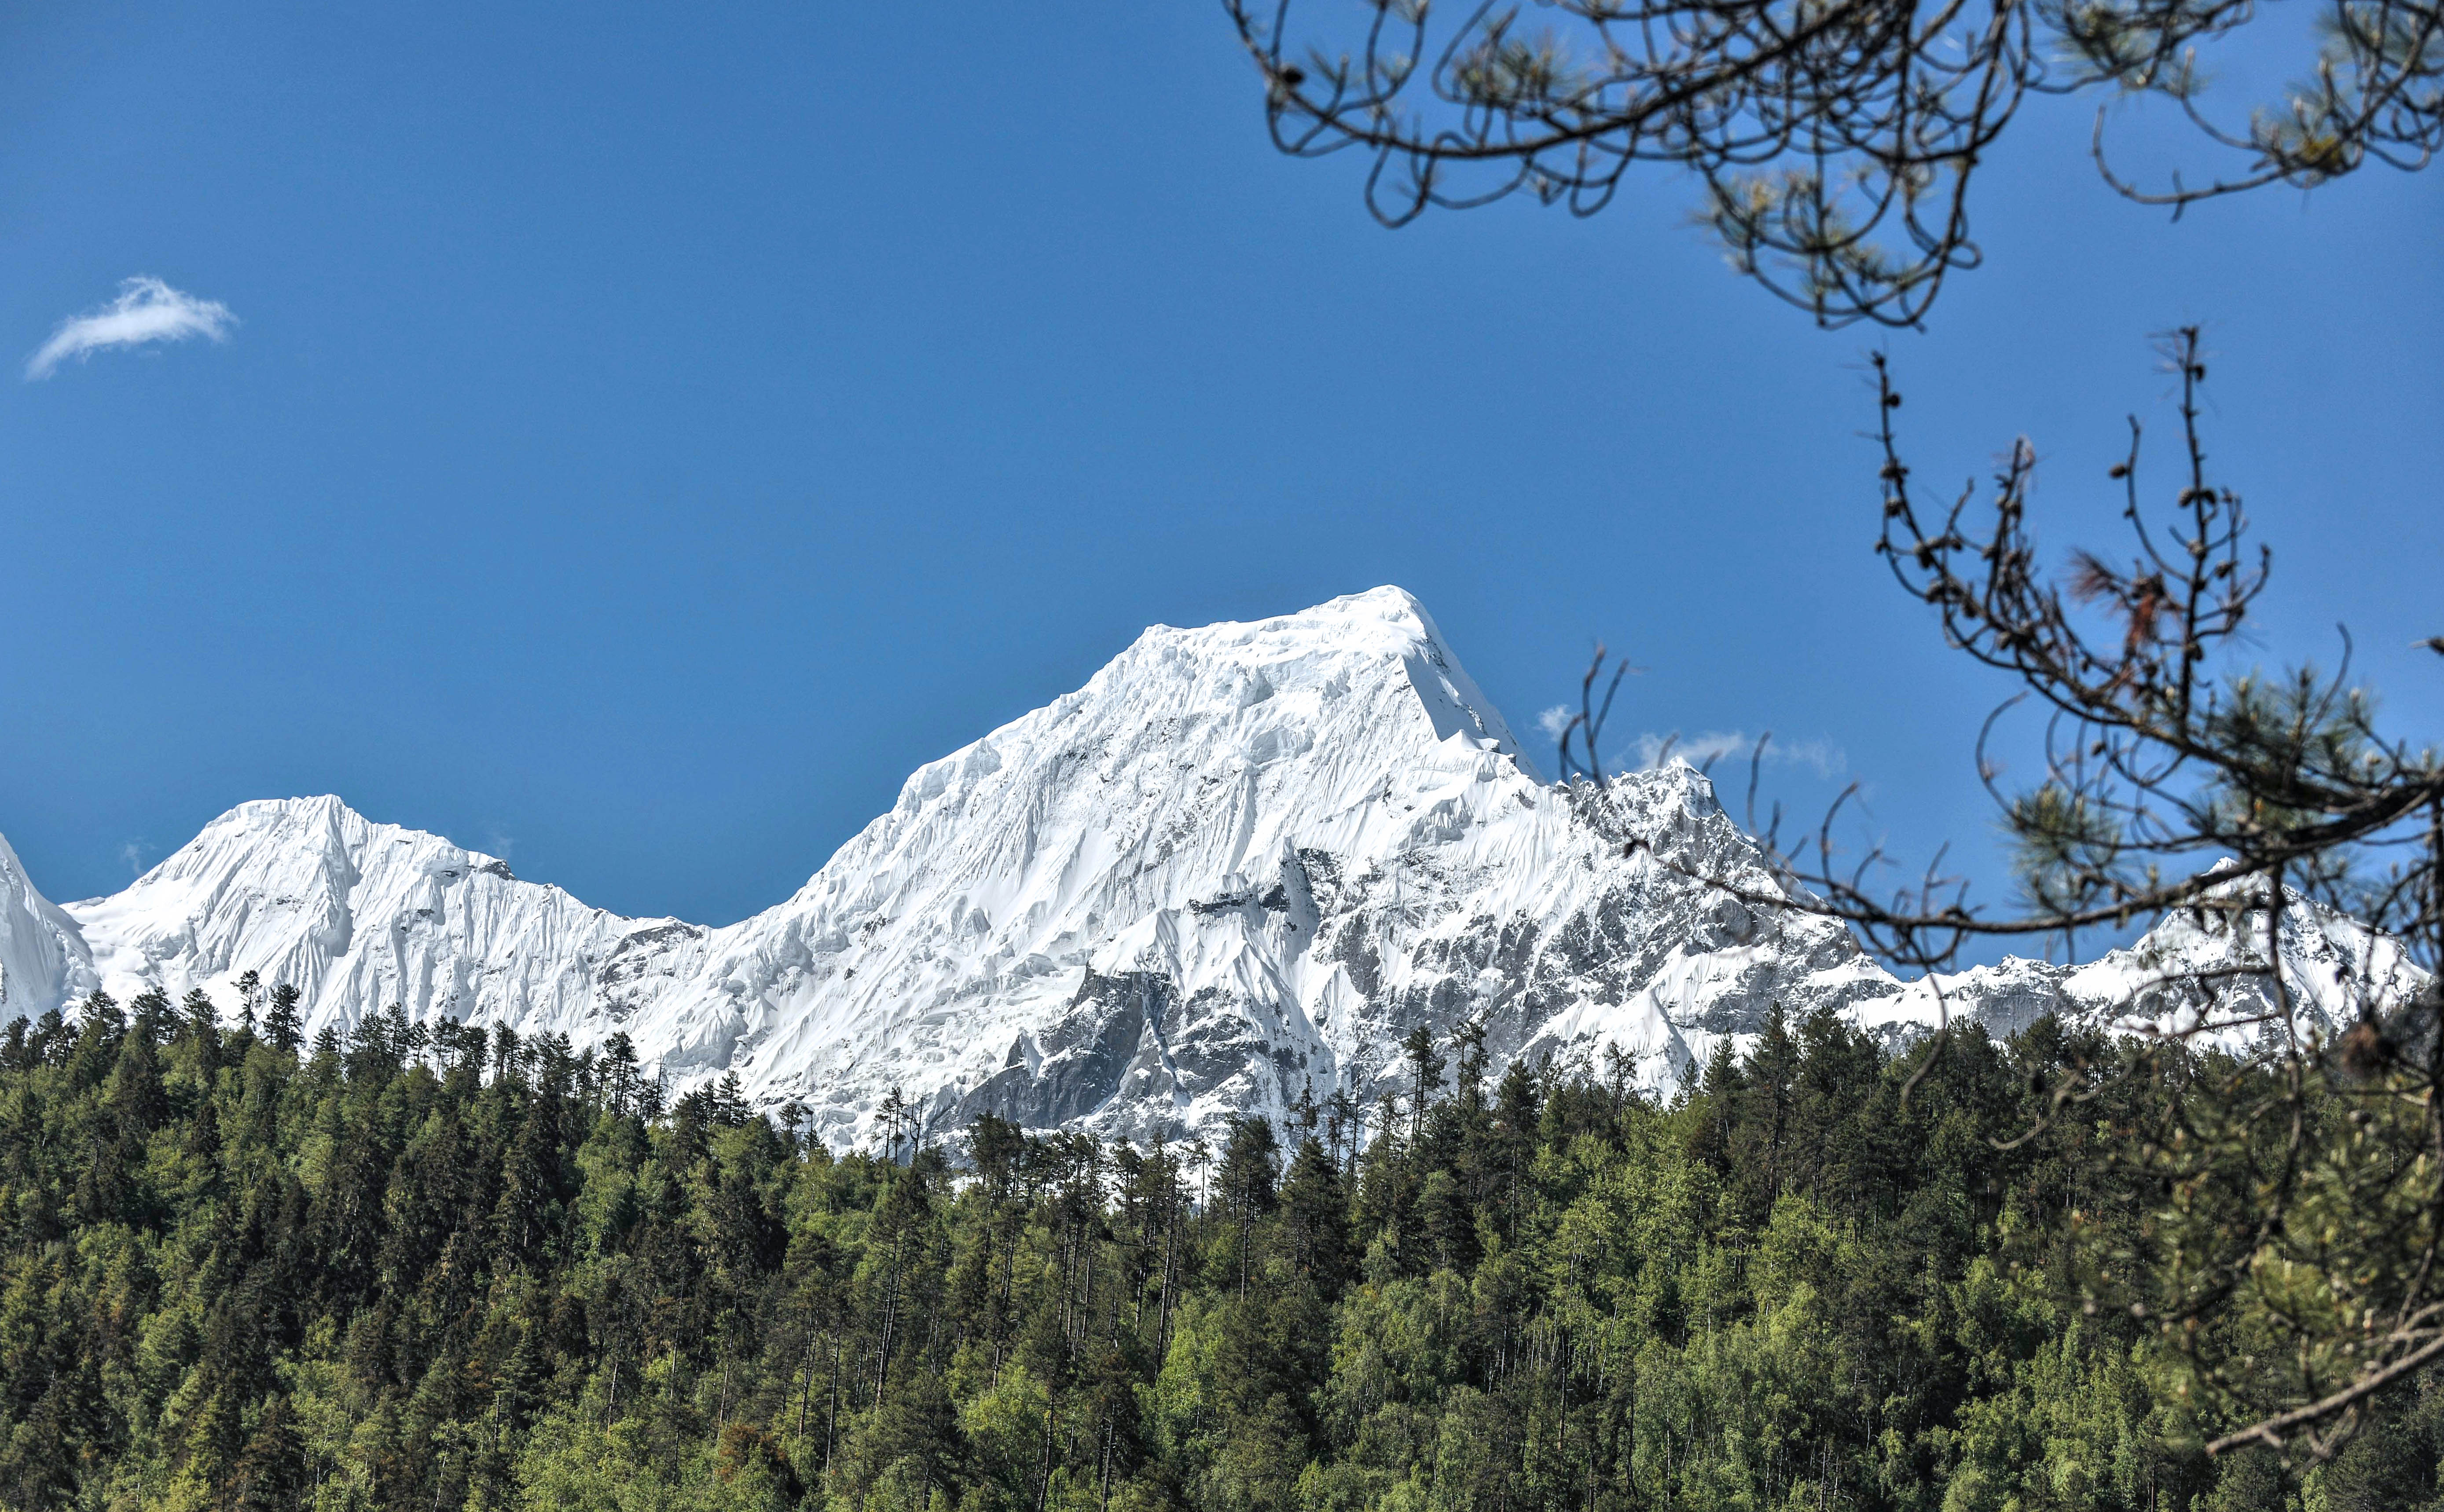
(2333, 965)
(1240, 862)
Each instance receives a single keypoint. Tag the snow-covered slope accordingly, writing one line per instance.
(1242, 861)
(43, 959)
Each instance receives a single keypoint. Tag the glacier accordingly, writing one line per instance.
(1237, 867)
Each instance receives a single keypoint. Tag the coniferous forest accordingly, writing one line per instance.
(428, 1267)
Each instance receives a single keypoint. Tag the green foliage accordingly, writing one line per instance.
(428, 1268)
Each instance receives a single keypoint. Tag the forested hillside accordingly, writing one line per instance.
(448, 1270)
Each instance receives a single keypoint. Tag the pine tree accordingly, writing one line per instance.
(889, 1115)
(1315, 1218)
(1426, 1073)
(505, 1052)
(133, 1093)
(620, 1078)
(1251, 1168)
(100, 1029)
(203, 1025)
(283, 1024)
(270, 1472)
(148, 1013)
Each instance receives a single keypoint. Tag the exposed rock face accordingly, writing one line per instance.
(1241, 863)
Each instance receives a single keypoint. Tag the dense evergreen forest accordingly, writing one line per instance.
(440, 1269)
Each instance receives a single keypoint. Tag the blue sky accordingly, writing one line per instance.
(645, 437)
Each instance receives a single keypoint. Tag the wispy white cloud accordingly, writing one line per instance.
(132, 854)
(146, 310)
(1821, 757)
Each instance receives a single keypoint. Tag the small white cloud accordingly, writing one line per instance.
(146, 310)
(1554, 720)
(1818, 756)
(132, 854)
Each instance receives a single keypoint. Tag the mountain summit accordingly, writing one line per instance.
(1241, 861)
(1240, 864)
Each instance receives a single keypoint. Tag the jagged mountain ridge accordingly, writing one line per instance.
(1241, 861)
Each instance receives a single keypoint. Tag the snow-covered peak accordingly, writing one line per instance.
(1240, 862)
(1250, 694)
(358, 914)
(1185, 770)
(1319, 649)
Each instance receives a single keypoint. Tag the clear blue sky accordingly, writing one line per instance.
(651, 432)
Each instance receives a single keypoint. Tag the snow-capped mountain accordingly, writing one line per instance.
(1242, 861)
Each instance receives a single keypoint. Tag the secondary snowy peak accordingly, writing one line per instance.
(42, 958)
(2213, 965)
(360, 914)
